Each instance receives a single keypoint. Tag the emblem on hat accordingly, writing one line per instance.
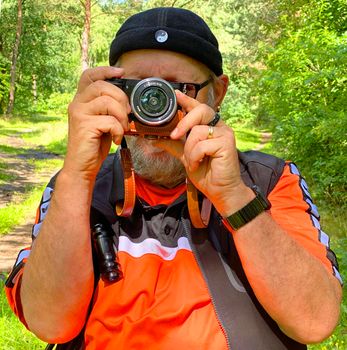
(161, 36)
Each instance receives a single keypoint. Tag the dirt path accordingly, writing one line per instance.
(265, 137)
(23, 175)
(11, 244)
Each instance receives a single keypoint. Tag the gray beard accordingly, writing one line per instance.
(159, 168)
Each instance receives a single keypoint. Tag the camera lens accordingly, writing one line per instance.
(153, 101)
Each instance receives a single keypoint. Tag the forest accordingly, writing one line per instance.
(286, 60)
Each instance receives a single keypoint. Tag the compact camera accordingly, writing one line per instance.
(154, 109)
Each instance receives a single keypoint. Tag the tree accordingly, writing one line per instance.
(302, 92)
(14, 57)
(86, 34)
(49, 51)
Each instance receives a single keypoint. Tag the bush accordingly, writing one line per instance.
(303, 94)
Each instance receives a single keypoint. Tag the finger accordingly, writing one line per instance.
(186, 102)
(100, 125)
(115, 129)
(201, 114)
(197, 134)
(103, 105)
(106, 105)
(103, 88)
(197, 138)
(201, 150)
(99, 73)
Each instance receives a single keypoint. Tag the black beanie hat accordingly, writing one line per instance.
(168, 28)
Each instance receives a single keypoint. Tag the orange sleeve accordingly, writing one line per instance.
(12, 289)
(294, 210)
(12, 286)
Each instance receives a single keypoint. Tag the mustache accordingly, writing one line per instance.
(154, 164)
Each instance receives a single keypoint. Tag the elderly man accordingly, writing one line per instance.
(260, 275)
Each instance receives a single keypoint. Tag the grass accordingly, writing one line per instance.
(13, 336)
(4, 176)
(46, 134)
(46, 164)
(11, 150)
(246, 139)
(15, 214)
(25, 204)
(38, 130)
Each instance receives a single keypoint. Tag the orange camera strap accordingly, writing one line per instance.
(199, 219)
(125, 207)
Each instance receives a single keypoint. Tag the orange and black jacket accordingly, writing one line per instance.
(184, 287)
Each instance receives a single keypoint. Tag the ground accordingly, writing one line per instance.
(21, 172)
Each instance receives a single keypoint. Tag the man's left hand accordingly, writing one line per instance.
(211, 160)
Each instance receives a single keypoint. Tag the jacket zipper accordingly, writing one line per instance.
(198, 261)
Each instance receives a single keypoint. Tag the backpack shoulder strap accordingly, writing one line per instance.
(261, 169)
(247, 325)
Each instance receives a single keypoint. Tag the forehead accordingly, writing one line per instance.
(164, 64)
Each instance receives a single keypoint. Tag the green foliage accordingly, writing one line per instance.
(56, 103)
(303, 93)
(107, 17)
(238, 106)
(302, 97)
(47, 55)
(4, 82)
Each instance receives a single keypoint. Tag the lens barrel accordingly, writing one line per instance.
(153, 101)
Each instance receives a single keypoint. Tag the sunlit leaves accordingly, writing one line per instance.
(303, 92)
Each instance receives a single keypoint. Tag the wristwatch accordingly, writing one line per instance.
(250, 211)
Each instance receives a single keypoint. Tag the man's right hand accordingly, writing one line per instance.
(58, 278)
(98, 114)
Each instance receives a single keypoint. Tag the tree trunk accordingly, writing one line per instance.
(14, 58)
(34, 89)
(86, 34)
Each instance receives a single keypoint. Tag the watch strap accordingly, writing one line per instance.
(250, 211)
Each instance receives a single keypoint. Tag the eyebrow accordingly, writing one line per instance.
(193, 79)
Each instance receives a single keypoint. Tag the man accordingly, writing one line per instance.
(265, 281)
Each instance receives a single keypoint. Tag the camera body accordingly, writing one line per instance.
(154, 109)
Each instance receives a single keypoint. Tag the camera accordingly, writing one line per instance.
(154, 109)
